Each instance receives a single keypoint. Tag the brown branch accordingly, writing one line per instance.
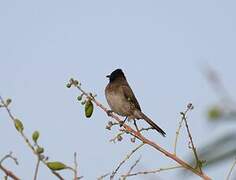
(145, 140)
(9, 173)
(5, 170)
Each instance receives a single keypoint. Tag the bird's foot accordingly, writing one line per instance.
(123, 122)
(109, 112)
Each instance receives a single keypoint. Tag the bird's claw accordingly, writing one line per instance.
(109, 112)
(122, 123)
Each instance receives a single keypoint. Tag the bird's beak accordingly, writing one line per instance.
(108, 76)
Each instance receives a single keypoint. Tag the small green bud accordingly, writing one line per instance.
(83, 102)
(40, 150)
(79, 98)
(56, 166)
(68, 85)
(8, 101)
(19, 126)
(201, 163)
(88, 109)
(35, 136)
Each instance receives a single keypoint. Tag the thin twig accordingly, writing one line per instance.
(177, 132)
(145, 140)
(118, 137)
(37, 168)
(75, 166)
(124, 160)
(153, 171)
(145, 129)
(103, 176)
(191, 139)
(9, 156)
(231, 170)
(131, 168)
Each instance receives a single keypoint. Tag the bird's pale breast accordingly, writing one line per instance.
(117, 101)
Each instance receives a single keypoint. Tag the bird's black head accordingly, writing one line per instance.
(117, 74)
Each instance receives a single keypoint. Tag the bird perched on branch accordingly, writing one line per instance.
(122, 100)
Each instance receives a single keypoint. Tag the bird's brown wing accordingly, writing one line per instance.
(130, 96)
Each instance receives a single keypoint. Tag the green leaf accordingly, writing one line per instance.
(214, 113)
(19, 126)
(88, 109)
(35, 136)
(56, 166)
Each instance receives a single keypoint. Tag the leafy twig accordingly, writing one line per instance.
(15, 121)
(138, 135)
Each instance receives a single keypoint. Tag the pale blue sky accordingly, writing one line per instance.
(160, 45)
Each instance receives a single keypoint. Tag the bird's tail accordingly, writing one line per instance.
(151, 123)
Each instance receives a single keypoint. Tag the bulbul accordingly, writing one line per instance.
(122, 100)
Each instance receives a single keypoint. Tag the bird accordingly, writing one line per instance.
(123, 102)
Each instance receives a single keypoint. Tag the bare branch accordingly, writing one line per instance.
(189, 107)
(178, 130)
(152, 171)
(9, 173)
(124, 160)
(36, 168)
(103, 176)
(131, 168)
